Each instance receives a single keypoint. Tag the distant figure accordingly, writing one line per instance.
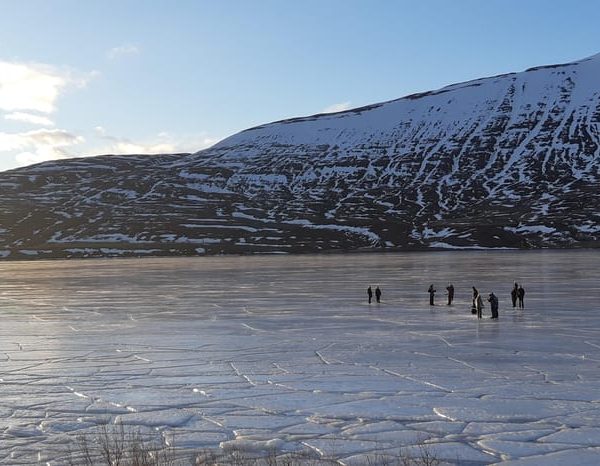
(474, 306)
(479, 305)
(377, 294)
(521, 294)
(514, 293)
(431, 292)
(494, 305)
(370, 294)
(450, 289)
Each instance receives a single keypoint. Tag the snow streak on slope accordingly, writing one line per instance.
(507, 161)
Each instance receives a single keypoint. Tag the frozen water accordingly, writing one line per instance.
(263, 352)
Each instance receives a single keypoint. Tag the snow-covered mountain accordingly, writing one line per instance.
(506, 161)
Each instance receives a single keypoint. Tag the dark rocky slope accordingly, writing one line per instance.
(510, 161)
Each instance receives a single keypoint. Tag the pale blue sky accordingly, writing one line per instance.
(143, 75)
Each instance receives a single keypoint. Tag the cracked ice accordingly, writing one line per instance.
(269, 352)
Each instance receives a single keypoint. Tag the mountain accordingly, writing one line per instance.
(510, 161)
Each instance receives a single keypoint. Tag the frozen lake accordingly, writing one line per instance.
(257, 352)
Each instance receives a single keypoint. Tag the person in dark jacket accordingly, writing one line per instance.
(521, 294)
(493, 300)
(450, 289)
(431, 292)
(377, 295)
(514, 293)
(370, 294)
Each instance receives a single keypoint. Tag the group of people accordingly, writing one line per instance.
(517, 295)
(477, 307)
(377, 294)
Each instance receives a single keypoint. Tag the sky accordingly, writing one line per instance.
(81, 78)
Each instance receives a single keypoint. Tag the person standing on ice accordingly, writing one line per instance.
(450, 289)
(514, 293)
(478, 304)
(521, 294)
(377, 295)
(474, 305)
(431, 292)
(370, 294)
(493, 300)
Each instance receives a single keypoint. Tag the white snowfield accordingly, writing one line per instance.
(456, 104)
(263, 352)
(535, 110)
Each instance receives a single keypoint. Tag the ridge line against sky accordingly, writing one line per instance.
(86, 78)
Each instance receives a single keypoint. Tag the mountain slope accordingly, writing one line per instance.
(506, 161)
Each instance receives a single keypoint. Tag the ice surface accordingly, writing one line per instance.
(270, 352)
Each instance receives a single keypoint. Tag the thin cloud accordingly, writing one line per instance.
(100, 131)
(29, 87)
(29, 93)
(128, 147)
(122, 51)
(29, 118)
(39, 145)
(163, 143)
(33, 86)
(337, 107)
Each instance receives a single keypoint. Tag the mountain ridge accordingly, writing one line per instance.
(417, 95)
(508, 161)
